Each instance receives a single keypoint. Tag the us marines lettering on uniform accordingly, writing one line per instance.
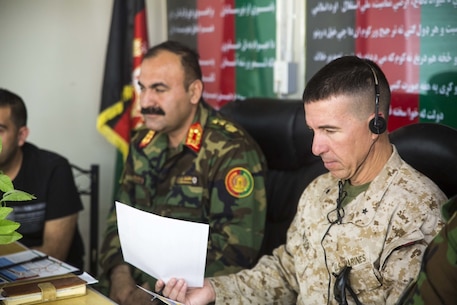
(356, 260)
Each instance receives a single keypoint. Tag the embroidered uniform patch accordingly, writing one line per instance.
(239, 182)
(187, 180)
(194, 137)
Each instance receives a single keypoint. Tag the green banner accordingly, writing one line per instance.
(256, 36)
(438, 62)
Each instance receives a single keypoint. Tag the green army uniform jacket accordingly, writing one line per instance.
(437, 280)
(215, 176)
(382, 236)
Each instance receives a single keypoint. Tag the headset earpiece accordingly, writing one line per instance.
(378, 125)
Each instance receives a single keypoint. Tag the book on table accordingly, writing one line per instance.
(31, 277)
(43, 289)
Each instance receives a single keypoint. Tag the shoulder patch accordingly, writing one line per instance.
(239, 182)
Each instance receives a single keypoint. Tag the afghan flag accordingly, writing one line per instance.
(119, 110)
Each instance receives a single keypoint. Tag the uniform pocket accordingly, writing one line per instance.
(183, 202)
(364, 277)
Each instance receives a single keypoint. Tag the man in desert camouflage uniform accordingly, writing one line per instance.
(437, 280)
(188, 163)
(370, 218)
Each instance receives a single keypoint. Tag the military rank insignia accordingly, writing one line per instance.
(147, 139)
(239, 182)
(227, 125)
(194, 137)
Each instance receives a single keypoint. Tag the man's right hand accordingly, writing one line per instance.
(123, 288)
(177, 290)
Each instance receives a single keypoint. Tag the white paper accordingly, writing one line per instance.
(163, 247)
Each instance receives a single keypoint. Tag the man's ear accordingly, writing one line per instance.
(195, 91)
(22, 135)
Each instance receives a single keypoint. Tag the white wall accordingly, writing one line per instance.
(52, 53)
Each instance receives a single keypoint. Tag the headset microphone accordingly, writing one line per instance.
(378, 124)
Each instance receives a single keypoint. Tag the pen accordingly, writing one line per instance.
(35, 259)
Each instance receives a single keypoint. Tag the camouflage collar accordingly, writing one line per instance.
(362, 209)
(194, 135)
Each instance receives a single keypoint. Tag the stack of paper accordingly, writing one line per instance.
(43, 290)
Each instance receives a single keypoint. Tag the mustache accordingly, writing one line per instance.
(152, 110)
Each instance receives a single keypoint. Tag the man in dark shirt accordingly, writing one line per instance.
(49, 222)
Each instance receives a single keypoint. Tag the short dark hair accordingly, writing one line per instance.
(189, 59)
(17, 105)
(349, 75)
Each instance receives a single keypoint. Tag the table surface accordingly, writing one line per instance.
(92, 297)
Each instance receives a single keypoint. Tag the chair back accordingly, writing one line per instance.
(431, 148)
(278, 126)
(87, 183)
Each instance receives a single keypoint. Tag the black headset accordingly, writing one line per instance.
(378, 124)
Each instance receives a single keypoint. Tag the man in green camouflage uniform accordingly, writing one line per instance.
(191, 164)
(437, 280)
(371, 215)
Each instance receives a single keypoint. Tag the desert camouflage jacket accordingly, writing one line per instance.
(437, 280)
(383, 235)
(215, 176)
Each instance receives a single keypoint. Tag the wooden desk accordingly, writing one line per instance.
(92, 297)
(11, 248)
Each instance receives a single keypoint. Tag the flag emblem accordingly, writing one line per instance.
(239, 182)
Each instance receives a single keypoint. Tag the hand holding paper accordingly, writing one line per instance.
(160, 297)
(163, 247)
